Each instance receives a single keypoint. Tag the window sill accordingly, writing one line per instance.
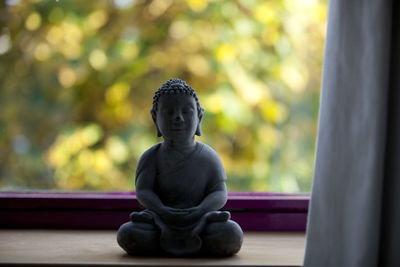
(99, 248)
(253, 211)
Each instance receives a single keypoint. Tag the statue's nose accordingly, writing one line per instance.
(178, 116)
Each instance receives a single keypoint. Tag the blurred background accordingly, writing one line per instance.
(77, 80)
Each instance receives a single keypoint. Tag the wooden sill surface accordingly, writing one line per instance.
(99, 248)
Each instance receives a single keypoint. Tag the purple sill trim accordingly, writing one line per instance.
(252, 211)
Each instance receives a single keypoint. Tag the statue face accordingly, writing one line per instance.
(177, 117)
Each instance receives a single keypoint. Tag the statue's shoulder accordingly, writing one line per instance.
(147, 158)
(209, 156)
(207, 151)
(150, 152)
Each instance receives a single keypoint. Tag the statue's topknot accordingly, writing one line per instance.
(175, 86)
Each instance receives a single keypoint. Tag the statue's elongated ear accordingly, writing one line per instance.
(154, 116)
(198, 129)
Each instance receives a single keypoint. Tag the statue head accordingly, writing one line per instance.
(176, 110)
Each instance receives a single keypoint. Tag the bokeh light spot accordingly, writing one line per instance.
(86, 158)
(33, 21)
(197, 5)
(42, 52)
(213, 103)
(98, 59)
(294, 78)
(244, 28)
(158, 7)
(198, 65)
(229, 9)
(226, 53)
(130, 51)
(268, 135)
(5, 43)
(265, 12)
(289, 184)
(124, 4)
(117, 92)
(91, 134)
(117, 150)
(72, 33)
(97, 18)
(179, 29)
(102, 162)
(66, 77)
(54, 35)
(130, 35)
(274, 111)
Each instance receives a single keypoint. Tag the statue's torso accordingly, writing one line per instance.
(181, 180)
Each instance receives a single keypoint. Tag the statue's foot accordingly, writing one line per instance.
(222, 238)
(139, 238)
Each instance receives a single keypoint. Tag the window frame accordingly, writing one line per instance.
(254, 211)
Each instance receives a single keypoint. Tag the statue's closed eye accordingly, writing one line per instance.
(168, 111)
(187, 110)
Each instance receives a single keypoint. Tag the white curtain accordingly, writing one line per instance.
(354, 217)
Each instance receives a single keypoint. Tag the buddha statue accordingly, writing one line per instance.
(181, 185)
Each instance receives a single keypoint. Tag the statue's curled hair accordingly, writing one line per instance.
(175, 86)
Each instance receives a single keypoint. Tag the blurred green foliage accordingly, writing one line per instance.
(77, 80)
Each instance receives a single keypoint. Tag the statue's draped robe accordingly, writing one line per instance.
(184, 185)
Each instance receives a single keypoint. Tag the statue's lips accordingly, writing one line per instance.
(178, 129)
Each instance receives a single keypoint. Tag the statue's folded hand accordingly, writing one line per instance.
(142, 217)
(194, 214)
(219, 216)
(181, 217)
(172, 216)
